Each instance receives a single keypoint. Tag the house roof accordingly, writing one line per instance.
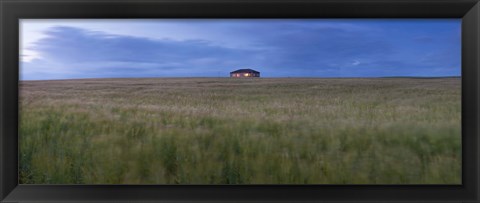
(245, 71)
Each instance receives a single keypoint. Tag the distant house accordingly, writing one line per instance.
(241, 73)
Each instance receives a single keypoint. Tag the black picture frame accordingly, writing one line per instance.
(13, 10)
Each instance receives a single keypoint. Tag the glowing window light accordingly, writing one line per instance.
(247, 74)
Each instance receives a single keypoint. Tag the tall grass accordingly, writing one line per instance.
(240, 131)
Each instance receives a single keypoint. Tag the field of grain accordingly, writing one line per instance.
(241, 131)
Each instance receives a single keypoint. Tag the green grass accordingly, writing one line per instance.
(240, 131)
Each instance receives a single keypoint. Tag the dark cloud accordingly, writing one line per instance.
(66, 44)
(276, 49)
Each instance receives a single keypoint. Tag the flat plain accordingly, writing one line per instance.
(240, 131)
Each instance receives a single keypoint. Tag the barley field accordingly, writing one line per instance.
(240, 131)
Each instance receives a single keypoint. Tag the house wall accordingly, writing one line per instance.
(242, 75)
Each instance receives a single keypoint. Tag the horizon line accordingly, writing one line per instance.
(306, 77)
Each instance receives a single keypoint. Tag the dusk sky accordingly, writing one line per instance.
(64, 49)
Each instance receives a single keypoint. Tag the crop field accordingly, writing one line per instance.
(240, 131)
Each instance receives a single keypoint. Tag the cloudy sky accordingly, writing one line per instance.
(63, 49)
